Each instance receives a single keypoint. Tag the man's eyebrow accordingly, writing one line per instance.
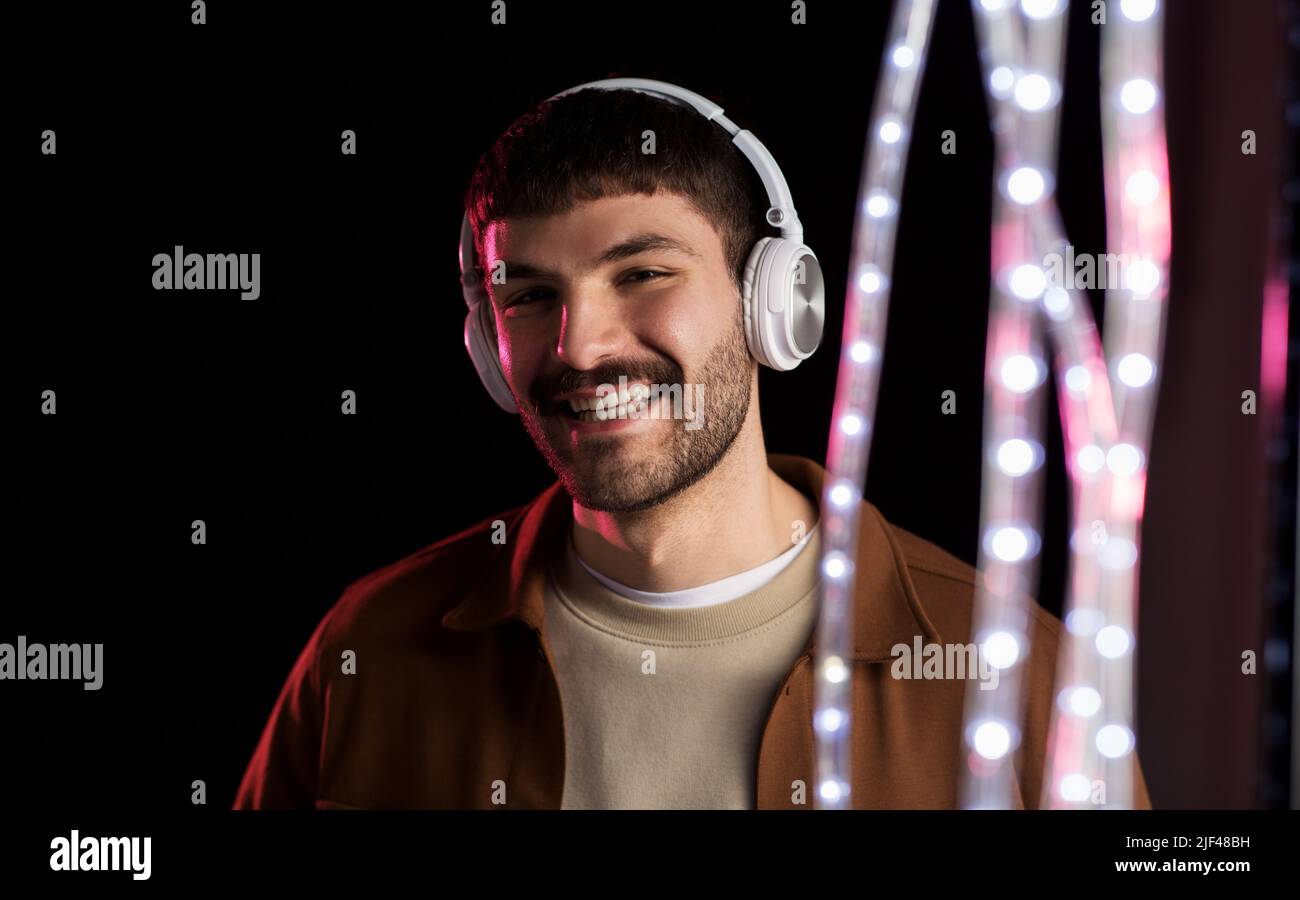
(643, 242)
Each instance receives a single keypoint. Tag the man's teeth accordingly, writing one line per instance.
(612, 405)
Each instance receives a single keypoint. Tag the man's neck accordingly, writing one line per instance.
(737, 517)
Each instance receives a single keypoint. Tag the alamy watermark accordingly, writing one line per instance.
(1085, 271)
(105, 854)
(942, 662)
(37, 662)
(209, 272)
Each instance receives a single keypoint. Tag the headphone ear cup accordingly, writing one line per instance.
(751, 308)
(784, 298)
(481, 344)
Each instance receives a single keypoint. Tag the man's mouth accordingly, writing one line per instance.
(623, 404)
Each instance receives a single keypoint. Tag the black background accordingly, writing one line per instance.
(183, 405)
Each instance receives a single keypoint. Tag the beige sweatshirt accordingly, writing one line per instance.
(665, 708)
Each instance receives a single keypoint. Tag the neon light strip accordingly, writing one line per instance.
(866, 310)
(1096, 751)
(1021, 55)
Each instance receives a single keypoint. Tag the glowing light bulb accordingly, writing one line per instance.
(1057, 301)
(830, 720)
(1028, 281)
(835, 670)
(1113, 741)
(992, 740)
(1141, 277)
(879, 205)
(836, 565)
(1137, 10)
(1040, 9)
(1081, 701)
(1135, 369)
(1137, 95)
(1020, 373)
(1001, 649)
(1075, 788)
(1016, 457)
(1113, 642)
(832, 790)
(870, 281)
(1142, 187)
(1025, 185)
(1124, 459)
(862, 352)
(1010, 544)
(1034, 92)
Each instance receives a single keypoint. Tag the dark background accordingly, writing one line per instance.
(182, 405)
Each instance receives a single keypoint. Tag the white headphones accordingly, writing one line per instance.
(783, 293)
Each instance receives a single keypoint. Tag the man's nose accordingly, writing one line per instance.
(591, 328)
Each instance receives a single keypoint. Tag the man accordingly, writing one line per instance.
(641, 634)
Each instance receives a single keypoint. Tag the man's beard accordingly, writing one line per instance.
(634, 472)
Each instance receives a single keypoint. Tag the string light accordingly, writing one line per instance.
(1028, 41)
(866, 311)
(1101, 624)
(1105, 434)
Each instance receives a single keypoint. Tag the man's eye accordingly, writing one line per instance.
(641, 276)
(527, 297)
(636, 278)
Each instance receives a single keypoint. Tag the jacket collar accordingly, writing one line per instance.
(887, 609)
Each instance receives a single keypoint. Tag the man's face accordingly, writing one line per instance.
(635, 286)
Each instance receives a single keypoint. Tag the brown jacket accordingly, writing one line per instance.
(453, 694)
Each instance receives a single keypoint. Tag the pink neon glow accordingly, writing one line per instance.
(1272, 343)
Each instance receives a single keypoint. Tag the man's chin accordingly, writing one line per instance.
(601, 498)
(605, 484)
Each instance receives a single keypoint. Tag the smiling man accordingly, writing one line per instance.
(641, 634)
(648, 296)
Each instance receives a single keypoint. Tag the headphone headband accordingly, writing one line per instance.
(780, 205)
(780, 210)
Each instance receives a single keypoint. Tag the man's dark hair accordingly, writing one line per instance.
(587, 145)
